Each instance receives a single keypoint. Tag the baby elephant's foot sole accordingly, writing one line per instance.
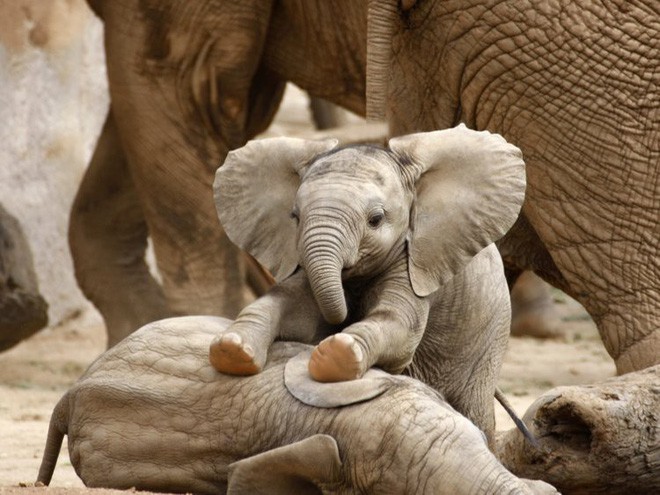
(229, 354)
(338, 358)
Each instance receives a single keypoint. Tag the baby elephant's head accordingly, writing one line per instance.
(340, 212)
(352, 212)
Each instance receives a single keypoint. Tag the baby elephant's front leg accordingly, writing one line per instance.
(385, 340)
(243, 348)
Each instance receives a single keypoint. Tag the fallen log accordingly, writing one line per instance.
(593, 439)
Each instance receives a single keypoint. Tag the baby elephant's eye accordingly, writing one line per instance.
(376, 218)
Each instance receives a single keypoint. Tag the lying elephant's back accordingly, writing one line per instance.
(156, 390)
(152, 413)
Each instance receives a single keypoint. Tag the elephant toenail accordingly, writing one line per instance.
(358, 353)
(231, 338)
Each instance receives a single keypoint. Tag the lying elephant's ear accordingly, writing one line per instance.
(469, 193)
(254, 193)
(296, 468)
(303, 387)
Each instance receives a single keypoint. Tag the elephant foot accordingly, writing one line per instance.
(337, 358)
(533, 310)
(540, 324)
(229, 354)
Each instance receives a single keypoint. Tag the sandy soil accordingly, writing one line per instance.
(35, 374)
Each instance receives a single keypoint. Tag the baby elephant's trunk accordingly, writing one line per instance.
(325, 278)
(321, 259)
(56, 430)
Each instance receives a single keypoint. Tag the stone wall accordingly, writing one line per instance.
(53, 100)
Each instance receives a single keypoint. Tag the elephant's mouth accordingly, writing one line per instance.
(350, 271)
(356, 275)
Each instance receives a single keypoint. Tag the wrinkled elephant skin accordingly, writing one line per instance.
(570, 83)
(574, 85)
(151, 413)
(186, 88)
(384, 257)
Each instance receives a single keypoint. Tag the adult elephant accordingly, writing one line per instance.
(188, 82)
(573, 84)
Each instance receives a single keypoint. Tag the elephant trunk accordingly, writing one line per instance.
(382, 16)
(487, 475)
(323, 264)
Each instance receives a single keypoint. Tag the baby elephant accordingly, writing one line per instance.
(151, 413)
(391, 247)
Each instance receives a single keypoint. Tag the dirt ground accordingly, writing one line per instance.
(35, 374)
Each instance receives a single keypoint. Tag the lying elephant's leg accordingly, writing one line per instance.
(22, 309)
(599, 438)
(108, 239)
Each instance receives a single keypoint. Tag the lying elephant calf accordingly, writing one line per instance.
(152, 413)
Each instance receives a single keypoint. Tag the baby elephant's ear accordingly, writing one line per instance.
(469, 194)
(303, 387)
(254, 193)
(295, 468)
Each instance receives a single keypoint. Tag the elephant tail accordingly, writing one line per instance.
(504, 402)
(56, 430)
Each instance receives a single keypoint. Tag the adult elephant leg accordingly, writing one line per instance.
(186, 88)
(202, 271)
(605, 244)
(325, 115)
(533, 311)
(108, 239)
(598, 250)
(528, 266)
